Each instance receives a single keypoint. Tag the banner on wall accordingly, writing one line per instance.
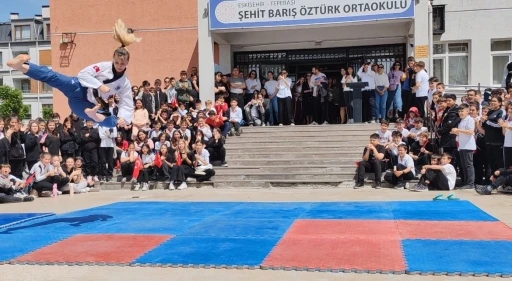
(235, 14)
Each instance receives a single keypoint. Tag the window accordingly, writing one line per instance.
(25, 85)
(22, 33)
(48, 32)
(451, 63)
(16, 53)
(501, 50)
(438, 27)
(1, 61)
(46, 88)
(29, 112)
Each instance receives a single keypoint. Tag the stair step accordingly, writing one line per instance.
(286, 176)
(289, 161)
(236, 144)
(284, 168)
(295, 139)
(295, 155)
(309, 128)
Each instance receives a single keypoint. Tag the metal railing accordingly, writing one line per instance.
(479, 87)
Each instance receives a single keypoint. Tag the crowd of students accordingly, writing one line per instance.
(472, 140)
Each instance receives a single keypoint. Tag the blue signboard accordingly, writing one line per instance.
(236, 14)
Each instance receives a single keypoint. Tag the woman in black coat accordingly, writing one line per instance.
(16, 137)
(32, 145)
(68, 143)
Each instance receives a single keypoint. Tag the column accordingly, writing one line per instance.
(421, 29)
(225, 58)
(206, 57)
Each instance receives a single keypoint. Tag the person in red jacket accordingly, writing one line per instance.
(218, 121)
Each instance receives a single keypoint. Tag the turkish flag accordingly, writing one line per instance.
(136, 169)
(178, 158)
(158, 160)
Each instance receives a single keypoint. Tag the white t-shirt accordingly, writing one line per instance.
(417, 131)
(408, 162)
(344, 80)
(385, 137)
(284, 90)
(508, 135)
(405, 132)
(449, 171)
(422, 79)
(466, 142)
(270, 86)
(252, 82)
(381, 80)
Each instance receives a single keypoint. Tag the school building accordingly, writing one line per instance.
(470, 43)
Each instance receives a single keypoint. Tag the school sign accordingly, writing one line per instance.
(236, 14)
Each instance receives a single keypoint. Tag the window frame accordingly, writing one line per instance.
(27, 82)
(498, 54)
(20, 28)
(446, 55)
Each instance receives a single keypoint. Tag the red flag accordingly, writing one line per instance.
(30, 179)
(158, 160)
(174, 103)
(178, 158)
(136, 169)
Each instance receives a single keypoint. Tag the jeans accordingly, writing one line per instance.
(466, 167)
(273, 111)
(380, 104)
(71, 88)
(394, 99)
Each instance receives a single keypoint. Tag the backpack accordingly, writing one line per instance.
(16, 151)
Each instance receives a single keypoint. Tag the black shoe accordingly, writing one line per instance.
(105, 112)
(378, 185)
(484, 189)
(237, 133)
(400, 185)
(467, 186)
(224, 164)
(28, 198)
(108, 179)
(359, 185)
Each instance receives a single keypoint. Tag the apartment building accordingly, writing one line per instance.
(27, 36)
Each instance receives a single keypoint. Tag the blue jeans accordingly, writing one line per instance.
(394, 99)
(274, 113)
(71, 88)
(380, 104)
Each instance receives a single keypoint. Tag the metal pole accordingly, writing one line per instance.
(430, 39)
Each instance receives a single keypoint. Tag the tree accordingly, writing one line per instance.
(47, 113)
(12, 103)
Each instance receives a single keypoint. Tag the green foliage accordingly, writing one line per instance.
(47, 113)
(11, 102)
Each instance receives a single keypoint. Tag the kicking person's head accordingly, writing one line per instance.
(446, 158)
(126, 37)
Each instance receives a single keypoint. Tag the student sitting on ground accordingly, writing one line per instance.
(255, 110)
(73, 170)
(392, 148)
(371, 162)
(128, 162)
(410, 117)
(403, 172)
(11, 188)
(501, 177)
(437, 177)
(215, 147)
(218, 121)
(198, 163)
(46, 176)
(148, 158)
(384, 133)
(421, 150)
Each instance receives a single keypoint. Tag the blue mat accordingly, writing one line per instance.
(8, 219)
(458, 256)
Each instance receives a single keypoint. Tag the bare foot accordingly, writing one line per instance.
(92, 113)
(18, 62)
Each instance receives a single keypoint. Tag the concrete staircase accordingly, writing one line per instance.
(293, 157)
(288, 157)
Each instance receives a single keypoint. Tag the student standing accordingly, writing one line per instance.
(465, 132)
(284, 99)
(421, 87)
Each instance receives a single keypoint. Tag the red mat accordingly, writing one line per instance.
(336, 244)
(107, 248)
(454, 230)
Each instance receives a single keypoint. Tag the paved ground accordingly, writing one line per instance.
(496, 205)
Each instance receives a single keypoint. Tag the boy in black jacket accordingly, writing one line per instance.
(449, 120)
(90, 142)
(502, 177)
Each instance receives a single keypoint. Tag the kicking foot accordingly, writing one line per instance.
(18, 62)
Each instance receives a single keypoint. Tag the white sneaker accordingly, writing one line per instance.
(190, 180)
(292, 124)
(123, 180)
(136, 187)
(263, 125)
(59, 192)
(145, 186)
(182, 186)
(268, 123)
(280, 125)
(313, 123)
(351, 121)
(96, 179)
(372, 122)
(171, 186)
(200, 173)
(325, 123)
(85, 190)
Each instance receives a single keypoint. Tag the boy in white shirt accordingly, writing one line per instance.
(404, 170)
(384, 133)
(106, 152)
(392, 148)
(465, 132)
(400, 127)
(418, 128)
(235, 117)
(438, 177)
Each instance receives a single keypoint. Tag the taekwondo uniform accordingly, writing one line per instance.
(80, 90)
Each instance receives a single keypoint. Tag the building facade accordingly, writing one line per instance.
(470, 44)
(27, 36)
